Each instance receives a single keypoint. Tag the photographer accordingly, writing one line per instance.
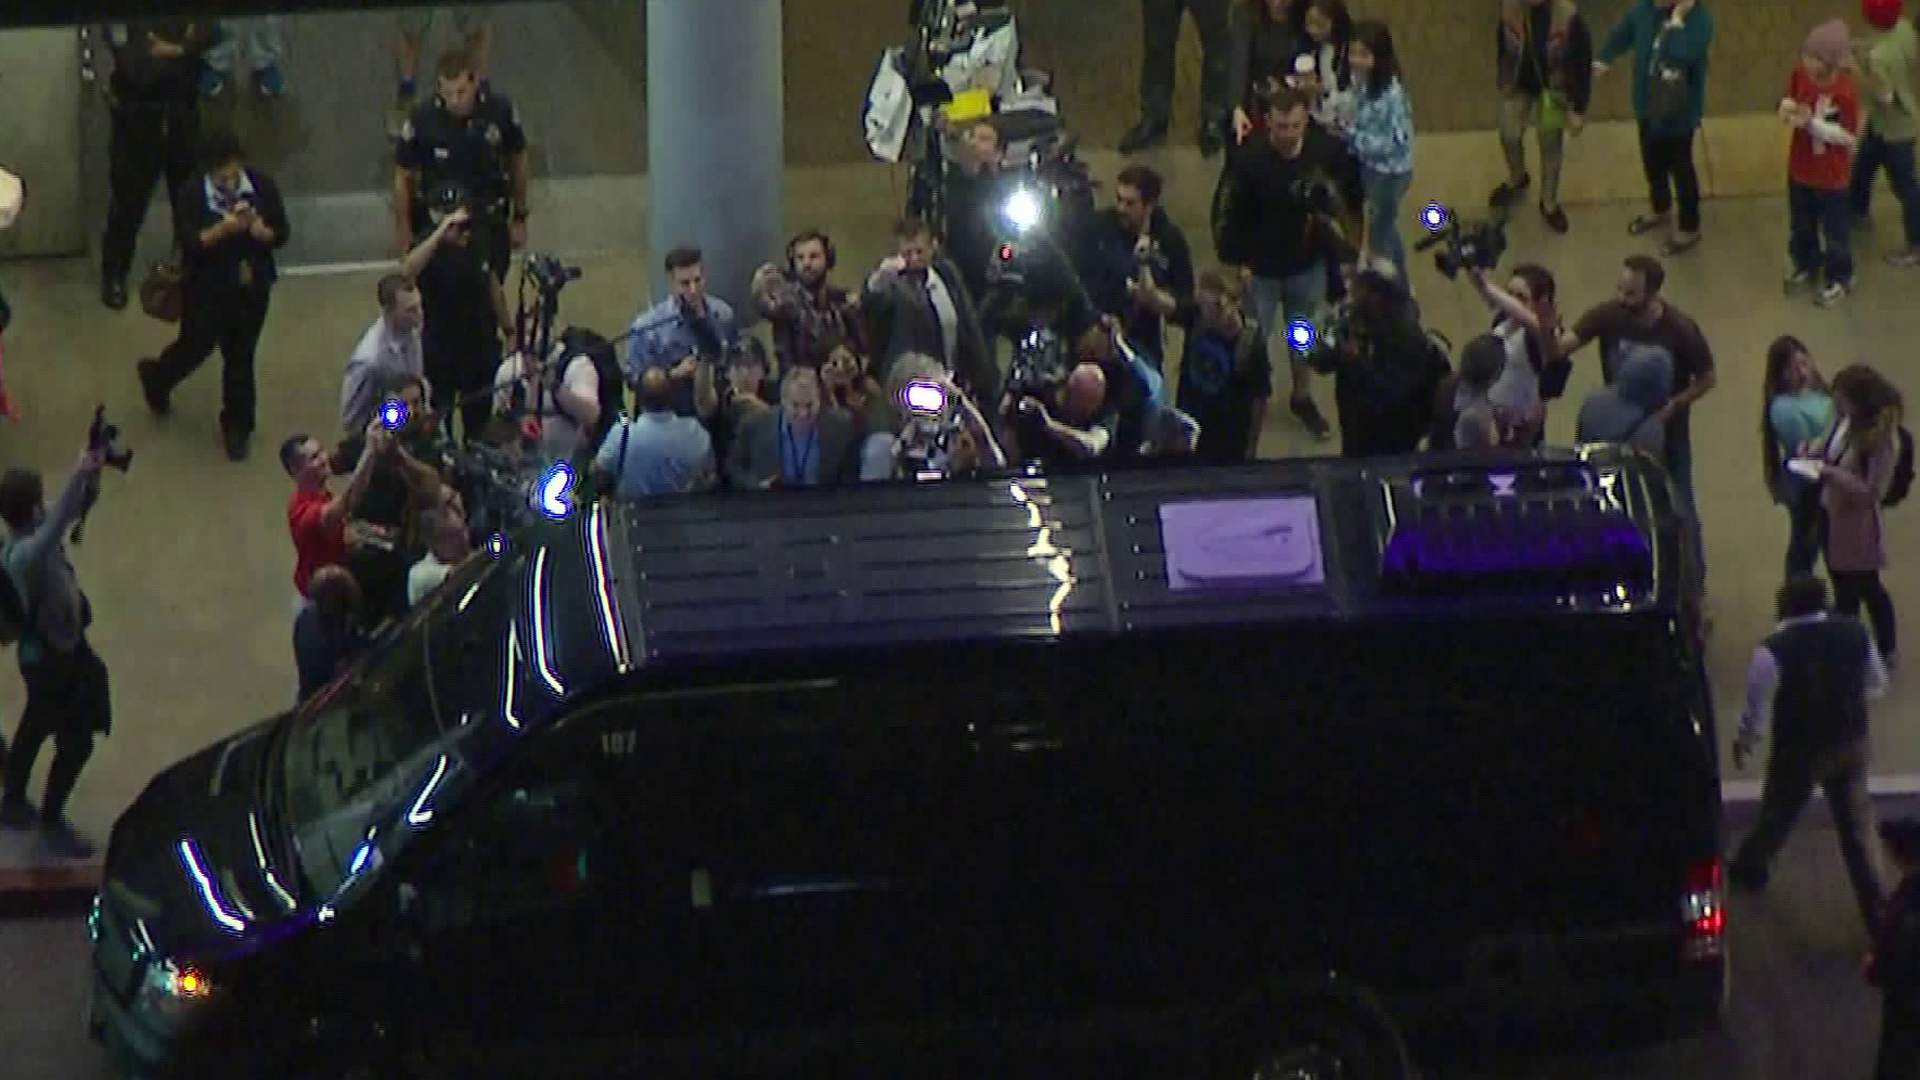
(464, 311)
(561, 397)
(950, 440)
(407, 476)
(684, 332)
(976, 188)
(317, 518)
(1136, 262)
(229, 223)
(448, 545)
(919, 303)
(726, 396)
(658, 452)
(330, 633)
(1278, 226)
(809, 314)
(1072, 425)
(1526, 319)
(1384, 377)
(67, 694)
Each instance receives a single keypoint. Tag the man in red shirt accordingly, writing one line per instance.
(316, 517)
(1823, 108)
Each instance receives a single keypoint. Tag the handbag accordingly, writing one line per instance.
(163, 293)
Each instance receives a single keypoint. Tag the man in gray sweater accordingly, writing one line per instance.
(67, 696)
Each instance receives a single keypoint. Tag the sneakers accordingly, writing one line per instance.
(268, 82)
(1797, 280)
(63, 841)
(1904, 258)
(1308, 413)
(1833, 293)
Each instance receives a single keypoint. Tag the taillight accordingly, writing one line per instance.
(1703, 910)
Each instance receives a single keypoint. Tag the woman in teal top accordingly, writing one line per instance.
(1669, 40)
(1795, 409)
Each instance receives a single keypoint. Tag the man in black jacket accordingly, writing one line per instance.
(1279, 227)
(153, 94)
(1384, 377)
(230, 223)
(1136, 262)
(1811, 679)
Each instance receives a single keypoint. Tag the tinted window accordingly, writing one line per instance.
(360, 749)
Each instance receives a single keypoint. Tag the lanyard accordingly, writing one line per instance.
(800, 461)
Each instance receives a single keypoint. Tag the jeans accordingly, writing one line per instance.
(1383, 194)
(1668, 160)
(1813, 214)
(148, 143)
(1275, 303)
(1803, 528)
(265, 42)
(1516, 112)
(1876, 153)
(1851, 589)
(1792, 773)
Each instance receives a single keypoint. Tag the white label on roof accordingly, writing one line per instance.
(1242, 543)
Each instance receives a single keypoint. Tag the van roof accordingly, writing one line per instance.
(1590, 532)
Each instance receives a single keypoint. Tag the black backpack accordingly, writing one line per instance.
(1902, 472)
(579, 341)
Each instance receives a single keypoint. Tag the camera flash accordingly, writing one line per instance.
(1434, 217)
(925, 398)
(1300, 335)
(393, 415)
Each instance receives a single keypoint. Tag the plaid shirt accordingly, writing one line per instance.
(806, 325)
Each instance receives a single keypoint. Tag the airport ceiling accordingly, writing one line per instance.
(24, 13)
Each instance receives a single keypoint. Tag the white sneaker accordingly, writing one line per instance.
(1798, 280)
(1904, 258)
(1835, 292)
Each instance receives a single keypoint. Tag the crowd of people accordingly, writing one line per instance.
(905, 370)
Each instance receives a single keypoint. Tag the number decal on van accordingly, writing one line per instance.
(619, 743)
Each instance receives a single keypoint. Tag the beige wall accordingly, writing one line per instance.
(1094, 48)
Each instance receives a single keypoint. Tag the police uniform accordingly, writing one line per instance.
(474, 154)
(156, 131)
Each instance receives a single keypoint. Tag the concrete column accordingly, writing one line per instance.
(40, 140)
(716, 157)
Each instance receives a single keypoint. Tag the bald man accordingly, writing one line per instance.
(1079, 424)
(658, 452)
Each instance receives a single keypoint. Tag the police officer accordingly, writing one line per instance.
(1160, 26)
(152, 92)
(471, 139)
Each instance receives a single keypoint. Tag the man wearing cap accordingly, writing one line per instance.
(1890, 92)
(1810, 681)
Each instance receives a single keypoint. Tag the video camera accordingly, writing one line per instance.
(548, 273)
(1478, 245)
(933, 428)
(1040, 364)
(106, 437)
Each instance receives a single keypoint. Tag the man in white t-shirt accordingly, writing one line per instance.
(448, 545)
(565, 398)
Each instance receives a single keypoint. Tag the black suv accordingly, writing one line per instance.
(1017, 763)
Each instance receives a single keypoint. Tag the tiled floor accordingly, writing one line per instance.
(187, 558)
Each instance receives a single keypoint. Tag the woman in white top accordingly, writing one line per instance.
(1527, 319)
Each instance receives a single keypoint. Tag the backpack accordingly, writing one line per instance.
(1902, 472)
(578, 341)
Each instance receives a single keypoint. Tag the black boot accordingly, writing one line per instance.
(1146, 134)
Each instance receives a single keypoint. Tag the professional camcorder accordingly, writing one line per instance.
(497, 486)
(1040, 365)
(549, 274)
(1478, 244)
(933, 429)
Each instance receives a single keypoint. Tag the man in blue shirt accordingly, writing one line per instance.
(682, 332)
(657, 452)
